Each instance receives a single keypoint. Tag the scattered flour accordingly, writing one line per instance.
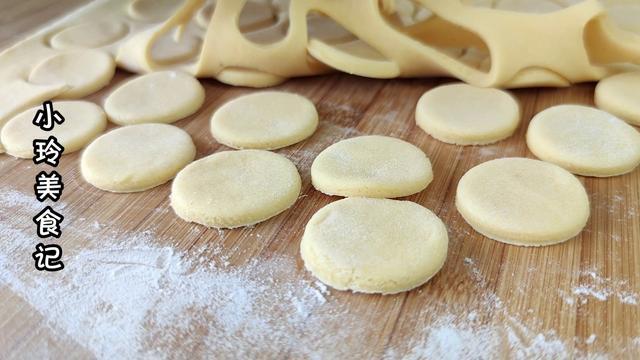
(126, 296)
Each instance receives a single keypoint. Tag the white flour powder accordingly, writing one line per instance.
(124, 296)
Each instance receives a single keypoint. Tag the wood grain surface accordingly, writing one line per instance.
(572, 293)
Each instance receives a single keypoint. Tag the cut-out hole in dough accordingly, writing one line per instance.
(259, 24)
(451, 39)
(89, 35)
(322, 27)
(405, 12)
(153, 10)
(354, 57)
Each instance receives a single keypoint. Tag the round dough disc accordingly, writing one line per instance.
(620, 95)
(136, 157)
(83, 121)
(83, 71)
(230, 189)
(90, 35)
(160, 97)
(371, 166)
(467, 115)
(265, 120)
(374, 245)
(584, 140)
(523, 202)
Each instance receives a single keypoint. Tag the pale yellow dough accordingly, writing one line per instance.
(620, 95)
(523, 202)
(83, 72)
(584, 140)
(92, 34)
(261, 43)
(19, 95)
(137, 157)
(371, 166)
(160, 97)
(264, 120)
(230, 189)
(83, 122)
(467, 115)
(374, 245)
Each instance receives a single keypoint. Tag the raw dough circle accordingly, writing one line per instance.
(152, 10)
(374, 245)
(230, 189)
(523, 202)
(137, 157)
(83, 121)
(371, 166)
(161, 97)
(584, 140)
(84, 71)
(467, 115)
(90, 35)
(620, 95)
(265, 120)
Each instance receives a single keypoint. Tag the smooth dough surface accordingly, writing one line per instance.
(371, 166)
(374, 245)
(584, 140)
(160, 97)
(230, 189)
(523, 202)
(137, 157)
(93, 34)
(620, 95)
(83, 71)
(83, 121)
(265, 120)
(467, 115)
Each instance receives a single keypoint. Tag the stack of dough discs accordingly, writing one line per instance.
(371, 166)
(160, 97)
(265, 120)
(620, 95)
(83, 122)
(230, 189)
(137, 157)
(467, 115)
(523, 201)
(584, 140)
(374, 245)
(83, 71)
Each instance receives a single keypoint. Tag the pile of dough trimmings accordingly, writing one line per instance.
(230, 189)
(83, 72)
(371, 166)
(160, 97)
(523, 202)
(83, 122)
(136, 157)
(584, 140)
(265, 120)
(620, 95)
(374, 245)
(467, 115)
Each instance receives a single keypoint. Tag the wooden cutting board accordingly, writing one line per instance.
(580, 298)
